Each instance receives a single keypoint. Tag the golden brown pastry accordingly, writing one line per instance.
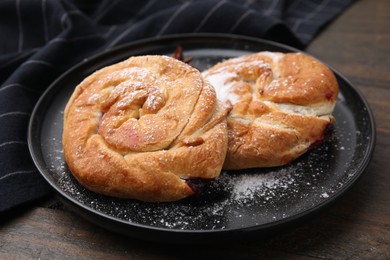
(142, 127)
(281, 106)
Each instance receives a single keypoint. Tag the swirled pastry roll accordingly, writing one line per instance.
(142, 127)
(281, 106)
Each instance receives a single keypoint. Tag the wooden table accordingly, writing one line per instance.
(357, 226)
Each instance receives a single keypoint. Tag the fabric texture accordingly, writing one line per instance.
(41, 39)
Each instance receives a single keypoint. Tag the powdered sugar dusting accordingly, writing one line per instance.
(152, 101)
(223, 79)
(223, 86)
(248, 185)
(275, 56)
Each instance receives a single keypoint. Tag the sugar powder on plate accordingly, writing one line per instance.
(247, 186)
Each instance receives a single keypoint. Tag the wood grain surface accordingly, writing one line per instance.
(356, 226)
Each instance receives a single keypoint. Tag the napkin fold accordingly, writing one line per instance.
(41, 39)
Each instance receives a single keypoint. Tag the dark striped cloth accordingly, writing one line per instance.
(40, 39)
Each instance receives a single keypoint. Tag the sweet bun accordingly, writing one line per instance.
(281, 106)
(142, 128)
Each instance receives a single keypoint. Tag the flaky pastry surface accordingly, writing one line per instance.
(142, 127)
(281, 106)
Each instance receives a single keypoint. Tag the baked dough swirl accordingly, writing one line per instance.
(281, 106)
(142, 127)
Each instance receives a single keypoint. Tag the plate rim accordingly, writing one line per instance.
(180, 37)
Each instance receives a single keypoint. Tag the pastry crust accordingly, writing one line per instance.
(140, 128)
(281, 106)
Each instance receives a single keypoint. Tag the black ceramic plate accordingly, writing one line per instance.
(237, 204)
